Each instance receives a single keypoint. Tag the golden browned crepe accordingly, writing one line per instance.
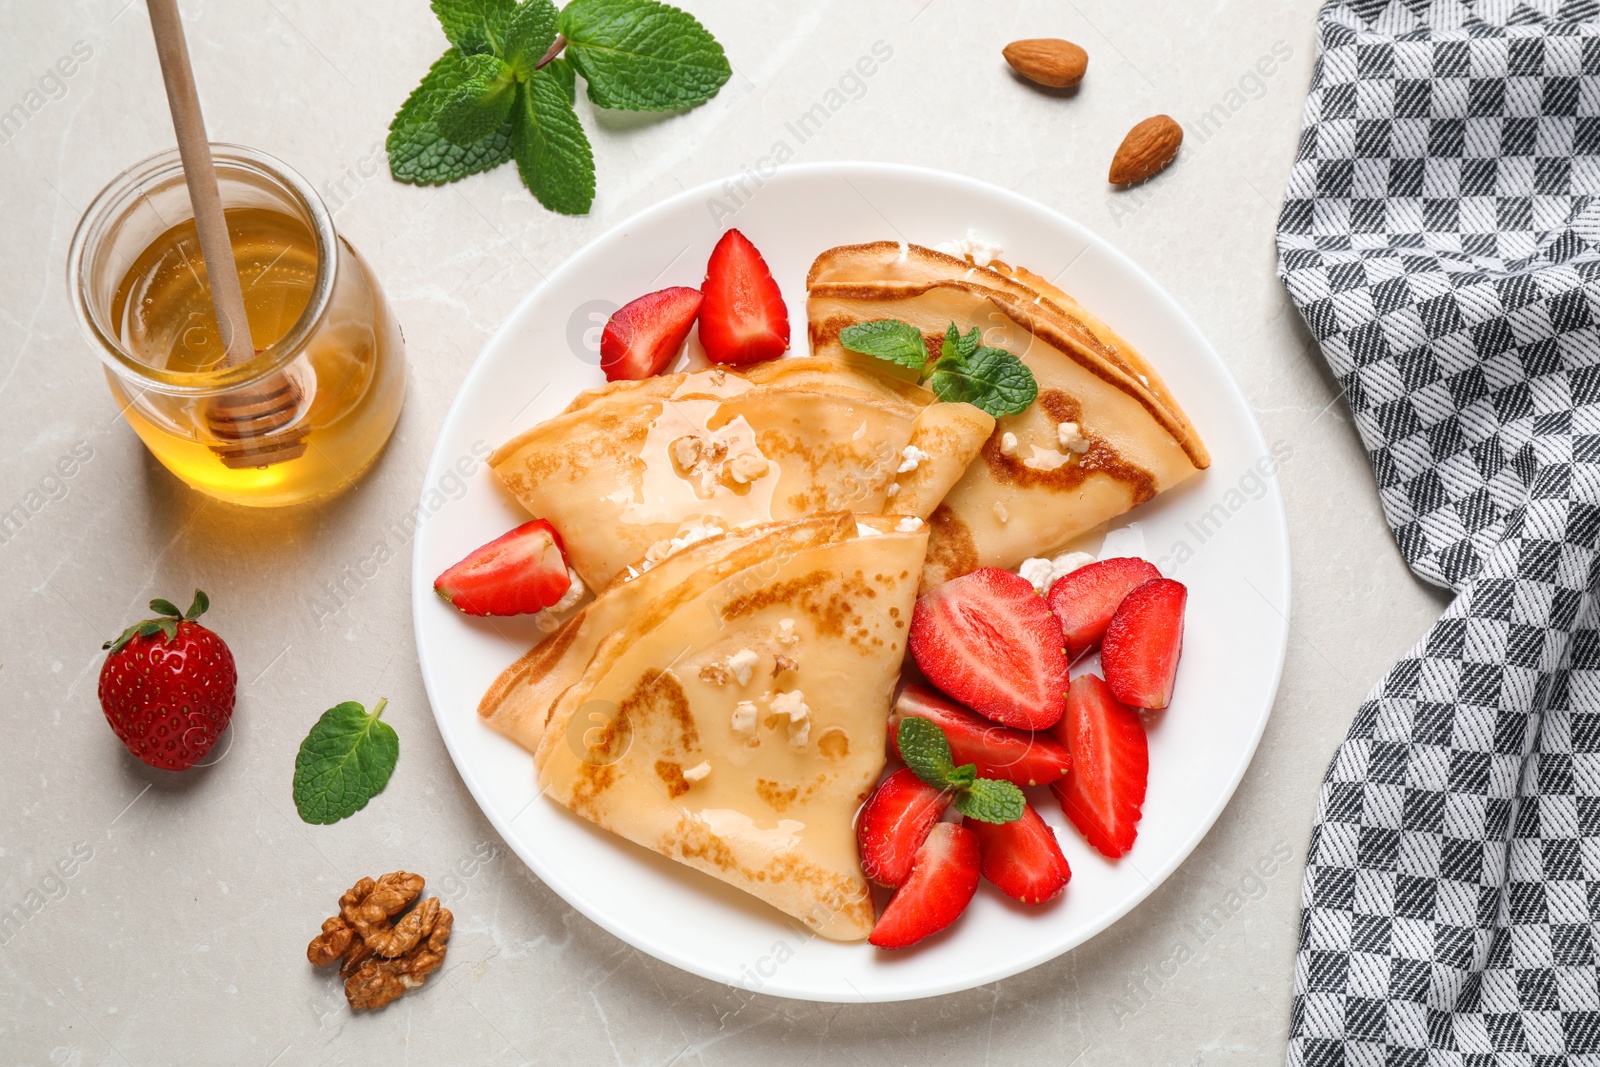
(632, 471)
(727, 707)
(1103, 436)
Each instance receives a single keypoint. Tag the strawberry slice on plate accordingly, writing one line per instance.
(943, 879)
(517, 573)
(1086, 599)
(743, 319)
(643, 336)
(991, 642)
(1103, 793)
(999, 751)
(894, 823)
(1022, 858)
(1143, 642)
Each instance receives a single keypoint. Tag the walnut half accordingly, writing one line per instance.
(382, 958)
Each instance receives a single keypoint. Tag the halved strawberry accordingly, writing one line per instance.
(894, 822)
(1103, 794)
(643, 336)
(990, 641)
(944, 876)
(999, 751)
(1022, 858)
(517, 573)
(744, 319)
(1086, 599)
(1142, 645)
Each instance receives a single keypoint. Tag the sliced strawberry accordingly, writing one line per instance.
(1103, 793)
(1022, 858)
(517, 573)
(643, 336)
(1086, 599)
(944, 876)
(990, 641)
(1142, 645)
(894, 822)
(744, 319)
(999, 751)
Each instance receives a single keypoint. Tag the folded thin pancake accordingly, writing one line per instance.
(633, 470)
(727, 708)
(1021, 500)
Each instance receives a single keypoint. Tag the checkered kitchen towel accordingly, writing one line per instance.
(1441, 236)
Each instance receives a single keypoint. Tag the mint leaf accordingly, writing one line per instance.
(344, 762)
(552, 152)
(890, 339)
(481, 104)
(991, 800)
(991, 378)
(960, 346)
(564, 72)
(474, 26)
(418, 153)
(529, 33)
(924, 749)
(640, 55)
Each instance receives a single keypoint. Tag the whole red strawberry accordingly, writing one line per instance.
(168, 686)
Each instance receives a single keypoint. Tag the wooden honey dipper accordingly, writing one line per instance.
(252, 424)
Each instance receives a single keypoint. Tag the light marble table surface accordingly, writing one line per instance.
(179, 935)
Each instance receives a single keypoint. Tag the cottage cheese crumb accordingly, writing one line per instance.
(686, 451)
(894, 487)
(1001, 513)
(746, 467)
(909, 524)
(697, 772)
(1068, 562)
(793, 704)
(549, 619)
(1008, 444)
(981, 251)
(863, 530)
(743, 720)
(1037, 571)
(911, 456)
(664, 548)
(1072, 438)
(743, 663)
(786, 634)
(800, 733)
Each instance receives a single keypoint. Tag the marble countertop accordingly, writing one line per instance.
(178, 935)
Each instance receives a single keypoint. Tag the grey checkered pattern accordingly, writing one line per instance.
(1440, 238)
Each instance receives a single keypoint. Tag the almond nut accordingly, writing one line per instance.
(1048, 61)
(1147, 150)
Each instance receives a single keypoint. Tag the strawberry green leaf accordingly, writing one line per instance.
(480, 104)
(552, 152)
(344, 762)
(198, 606)
(419, 153)
(474, 26)
(890, 339)
(640, 55)
(924, 749)
(991, 378)
(991, 800)
(165, 607)
(530, 32)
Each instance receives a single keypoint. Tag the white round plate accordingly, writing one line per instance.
(1223, 533)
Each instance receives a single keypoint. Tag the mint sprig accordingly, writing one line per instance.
(345, 761)
(507, 87)
(924, 748)
(966, 371)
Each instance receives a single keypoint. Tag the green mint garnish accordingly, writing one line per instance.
(553, 155)
(480, 105)
(890, 339)
(643, 56)
(925, 750)
(966, 371)
(344, 762)
(473, 26)
(505, 92)
(419, 154)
